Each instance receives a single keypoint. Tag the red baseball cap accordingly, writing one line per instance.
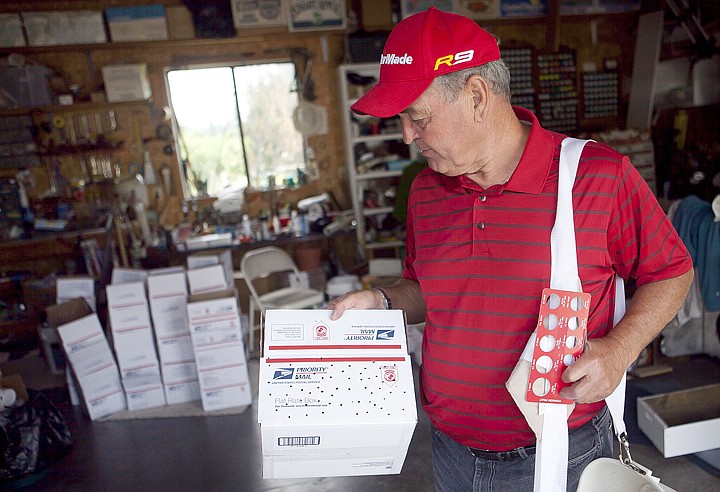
(420, 48)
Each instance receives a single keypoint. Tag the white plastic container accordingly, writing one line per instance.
(341, 284)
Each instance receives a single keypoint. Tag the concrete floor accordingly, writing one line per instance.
(223, 453)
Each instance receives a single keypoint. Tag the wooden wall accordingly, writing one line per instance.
(82, 65)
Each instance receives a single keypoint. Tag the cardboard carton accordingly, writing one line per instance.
(217, 340)
(207, 279)
(336, 398)
(682, 422)
(88, 352)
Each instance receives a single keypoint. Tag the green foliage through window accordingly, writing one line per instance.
(223, 152)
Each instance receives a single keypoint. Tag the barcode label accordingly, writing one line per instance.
(299, 441)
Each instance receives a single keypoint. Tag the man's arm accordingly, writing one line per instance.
(404, 294)
(603, 364)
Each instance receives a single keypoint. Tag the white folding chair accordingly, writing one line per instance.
(265, 261)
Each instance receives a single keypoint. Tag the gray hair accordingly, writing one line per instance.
(495, 73)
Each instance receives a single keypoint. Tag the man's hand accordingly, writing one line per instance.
(363, 299)
(597, 372)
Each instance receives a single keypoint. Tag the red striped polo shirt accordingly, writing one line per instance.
(482, 258)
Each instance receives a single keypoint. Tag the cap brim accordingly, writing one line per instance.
(387, 99)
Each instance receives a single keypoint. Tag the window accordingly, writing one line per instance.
(235, 126)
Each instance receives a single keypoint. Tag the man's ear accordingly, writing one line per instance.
(480, 91)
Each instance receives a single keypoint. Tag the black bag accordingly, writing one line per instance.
(33, 436)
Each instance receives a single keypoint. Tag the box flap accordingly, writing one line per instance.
(300, 333)
(60, 314)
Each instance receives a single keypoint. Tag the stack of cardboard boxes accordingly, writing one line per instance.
(132, 335)
(167, 347)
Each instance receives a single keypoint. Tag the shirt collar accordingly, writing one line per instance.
(534, 166)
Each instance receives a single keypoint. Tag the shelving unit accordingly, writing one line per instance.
(375, 155)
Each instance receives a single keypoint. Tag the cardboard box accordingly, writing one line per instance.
(38, 294)
(169, 317)
(167, 270)
(130, 325)
(64, 28)
(176, 349)
(88, 352)
(59, 314)
(128, 275)
(209, 241)
(682, 422)
(144, 388)
(184, 392)
(127, 82)
(523, 8)
(216, 335)
(207, 279)
(179, 22)
(203, 259)
(72, 287)
(52, 349)
(336, 398)
(137, 23)
(11, 31)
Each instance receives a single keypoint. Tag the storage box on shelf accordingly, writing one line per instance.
(376, 157)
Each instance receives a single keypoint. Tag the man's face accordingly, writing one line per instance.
(442, 131)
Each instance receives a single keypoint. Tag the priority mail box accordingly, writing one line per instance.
(144, 388)
(203, 259)
(207, 279)
(130, 324)
(93, 366)
(134, 345)
(176, 348)
(682, 422)
(336, 398)
(127, 275)
(182, 392)
(217, 340)
(72, 287)
(168, 304)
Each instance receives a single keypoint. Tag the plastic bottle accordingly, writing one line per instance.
(246, 227)
(265, 228)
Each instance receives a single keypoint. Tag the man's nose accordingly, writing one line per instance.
(408, 130)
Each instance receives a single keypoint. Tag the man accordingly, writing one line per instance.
(478, 254)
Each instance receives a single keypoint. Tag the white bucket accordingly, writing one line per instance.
(341, 284)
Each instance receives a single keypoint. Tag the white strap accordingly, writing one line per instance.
(550, 466)
(551, 456)
(616, 400)
(563, 252)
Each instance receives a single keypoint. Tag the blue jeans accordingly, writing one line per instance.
(457, 470)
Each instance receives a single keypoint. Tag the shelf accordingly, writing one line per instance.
(133, 45)
(377, 211)
(385, 244)
(378, 175)
(79, 106)
(393, 152)
(378, 138)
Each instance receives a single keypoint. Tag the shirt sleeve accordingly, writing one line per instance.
(409, 260)
(642, 242)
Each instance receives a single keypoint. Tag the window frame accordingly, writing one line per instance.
(230, 64)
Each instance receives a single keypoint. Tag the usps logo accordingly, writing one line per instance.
(320, 332)
(389, 375)
(385, 335)
(284, 373)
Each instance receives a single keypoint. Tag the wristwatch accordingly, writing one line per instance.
(387, 304)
